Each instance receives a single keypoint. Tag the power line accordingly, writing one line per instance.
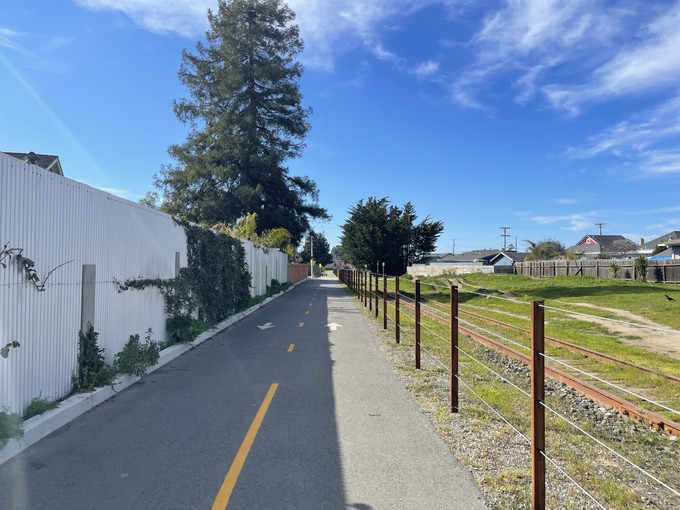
(600, 225)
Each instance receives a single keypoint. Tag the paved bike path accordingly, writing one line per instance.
(340, 431)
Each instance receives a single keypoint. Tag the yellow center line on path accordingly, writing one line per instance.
(222, 499)
(292, 346)
(301, 324)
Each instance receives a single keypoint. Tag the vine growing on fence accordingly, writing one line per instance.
(216, 282)
(28, 266)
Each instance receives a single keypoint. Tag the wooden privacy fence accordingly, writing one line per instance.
(371, 290)
(662, 271)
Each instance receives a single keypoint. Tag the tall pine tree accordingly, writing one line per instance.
(246, 120)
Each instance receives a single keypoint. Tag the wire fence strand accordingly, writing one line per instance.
(611, 384)
(606, 447)
(461, 381)
(557, 466)
(488, 332)
(491, 296)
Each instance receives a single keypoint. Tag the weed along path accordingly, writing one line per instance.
(293, 407)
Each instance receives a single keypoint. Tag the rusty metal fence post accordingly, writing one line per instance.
(377, 289)
(453, 332)
(537, 409)
(397, 327)
(361, 286)
(384, 301)
(417, 325)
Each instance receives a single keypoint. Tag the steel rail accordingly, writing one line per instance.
(567, 345)
(577, 348)
(604, 397)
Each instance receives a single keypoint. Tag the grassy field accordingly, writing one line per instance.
(610, 480)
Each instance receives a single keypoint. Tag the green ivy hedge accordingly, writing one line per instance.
(218, 274)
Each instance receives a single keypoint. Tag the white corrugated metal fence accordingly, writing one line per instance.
(56, 221)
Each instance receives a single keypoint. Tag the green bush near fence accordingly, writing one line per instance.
(92, 371)
(136, 357)
(184, 328)
(38, 406)
(11, 425)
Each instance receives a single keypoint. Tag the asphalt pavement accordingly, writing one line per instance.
(293, 407)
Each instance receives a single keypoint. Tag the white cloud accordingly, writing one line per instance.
(427, 69)
(529, 38)
(328, 27)
(650, 140)
(574, 222)
(566, 201)
(659, 229)
(8, 40)
(650, 64)
(186, 17)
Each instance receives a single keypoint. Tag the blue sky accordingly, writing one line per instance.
(543, 116)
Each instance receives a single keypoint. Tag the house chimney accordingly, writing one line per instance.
(642, 241)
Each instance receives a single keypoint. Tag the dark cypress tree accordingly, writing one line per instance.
(246, 120)
(322, 253)
(379, 232)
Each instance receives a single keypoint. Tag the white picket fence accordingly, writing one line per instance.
(57, 221)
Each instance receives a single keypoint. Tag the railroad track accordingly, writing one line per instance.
(557, 343)
(604, 397)
(569, 346)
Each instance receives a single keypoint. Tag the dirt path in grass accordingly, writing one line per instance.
(652, 340)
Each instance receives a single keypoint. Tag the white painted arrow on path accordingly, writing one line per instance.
(333, 326)
(266, 326)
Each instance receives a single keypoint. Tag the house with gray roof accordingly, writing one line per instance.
(507, 258)
(46, 161)
(651, 246)
(604, 246)
(672, 251)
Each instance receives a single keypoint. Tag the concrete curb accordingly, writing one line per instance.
(69, 409)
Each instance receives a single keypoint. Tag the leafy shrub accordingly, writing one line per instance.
(93, 372)
(658, 274)
(184, 328)
(277, 287)
(136, 358)
(614, 268)
(11, 425)
(38, 406)
(641, 268)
